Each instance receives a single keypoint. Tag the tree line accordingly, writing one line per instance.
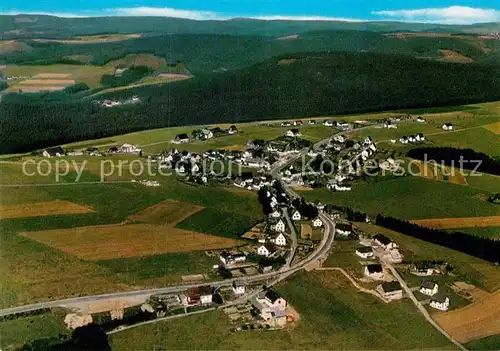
(453, 156)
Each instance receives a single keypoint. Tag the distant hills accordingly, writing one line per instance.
(299, 85)
(42, 26)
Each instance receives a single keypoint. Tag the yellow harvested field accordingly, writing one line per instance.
(476, 321)
(459, 222)
(39, 209)
(302, 188)
(168, 212)
(52, 75)
(305, 231)
(236, 147)
(438, 172)
(494, 127)
(48, 82)
(130, 240)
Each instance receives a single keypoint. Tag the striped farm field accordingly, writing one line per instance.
(104, 242)
(459, 222)
(39, 209)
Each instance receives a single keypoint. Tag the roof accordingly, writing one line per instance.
(374, 268)
(364, 249)
(295, 130)
(439, 298)
(205, 290)
(54, 150)
(272, 295)
(428, 284)
(343, 226)
(182, 136)
(238, 283)
(391, 286)
(383, 239)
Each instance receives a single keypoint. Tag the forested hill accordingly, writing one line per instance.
(300, 85)
(42, 26)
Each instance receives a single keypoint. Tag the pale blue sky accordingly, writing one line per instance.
(438, 11)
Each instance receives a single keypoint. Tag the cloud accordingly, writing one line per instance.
(164, 12)
(445, 15)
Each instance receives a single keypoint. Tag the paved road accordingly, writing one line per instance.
(293, 237)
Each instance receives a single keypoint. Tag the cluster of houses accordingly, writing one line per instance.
(57, 151)
(113, 103)
(412, 139)
(438, 301)
(203, 134)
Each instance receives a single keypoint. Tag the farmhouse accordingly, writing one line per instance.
(428, 288)
(296, 216)
(385, 242)
(271, 306)
(266, 250)
(227, 258)
(129, 149)
(56, 151)
(181, 139)
(440, 302)
(390, 125)
(297, 123)
(317, 222)
(420, 120)
(232, 130)
(390, 290)
(238, 287)
(422, 268)
(311, 122)
(205, 294)
(364, 252)
(206, 134)
(280, 240)
(328, 123)
(404, 140)
(447, 126)
(374, 271)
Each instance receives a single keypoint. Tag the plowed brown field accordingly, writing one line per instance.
(476, 321)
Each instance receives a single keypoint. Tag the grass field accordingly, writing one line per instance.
(132, 240)
(158, 270)
(405, 198)
(490, 343)
(216, 222)
(488, 232)
(41, 209)
(333, 315)
(466, 268)
(487, 182)
(23, 330)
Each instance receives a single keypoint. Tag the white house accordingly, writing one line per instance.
(420, 137)
(279, 226)
(385, 242)
(440, 302)
(275, 214)
(420, 120)
(364, 252)
(280, 240)
(129, 149)
(390, 290)
(428, 288)
(266, 250)
(271, 306)
(339, 138)
(232, 130)
(343, 229)
(328, 123)
(338, 187)
(403, 140)
(296, 216)
(272, 299)
(238, 287)
(447, 126)
(368, 141)
(317, 222)
(180, 139)
(227, 258)
(293, 133)
(205, 294)
(422, 269)
(53, 152)
(374, 271)
(207, 133)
